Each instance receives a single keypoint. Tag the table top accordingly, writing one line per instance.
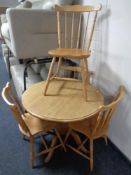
(64, 101)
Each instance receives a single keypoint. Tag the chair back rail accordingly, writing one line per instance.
(15, 107)
(106, 112)
(74, 13)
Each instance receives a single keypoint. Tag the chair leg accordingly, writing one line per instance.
(49, 155)
(91, 154)
(49, 74)
(81, 146)
(106, 141)
(86, 71)
(84, 78)
(60, 139)
(58, 67)
(32, 152)
(67, 135)
(78, 142)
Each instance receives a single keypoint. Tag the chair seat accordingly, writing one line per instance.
(36, 125)
(69, 52)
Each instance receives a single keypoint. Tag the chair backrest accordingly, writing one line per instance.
(105, 114)
(15, 107)
(75, 13)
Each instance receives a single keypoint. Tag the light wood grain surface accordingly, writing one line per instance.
(64, 102)
(78, 8)
(69, 52)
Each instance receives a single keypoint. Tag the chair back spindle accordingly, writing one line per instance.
(79, 30)
(59, 31)
(105, 114)
(73, 18)
(72, 30)
(66, 29)
(86, 30)
(92, 31)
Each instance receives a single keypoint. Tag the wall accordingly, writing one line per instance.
(111, 60)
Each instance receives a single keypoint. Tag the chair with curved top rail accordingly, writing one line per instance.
(30, 126)
(95, 127)
(73, 48)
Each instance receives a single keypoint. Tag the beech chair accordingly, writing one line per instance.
(95, 127)
(30, 126)
(70, 44)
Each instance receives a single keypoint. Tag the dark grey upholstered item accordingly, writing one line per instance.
(35, 72)
(17, 77)
(37, 67)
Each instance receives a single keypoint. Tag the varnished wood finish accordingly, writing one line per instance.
(64, 102)
(58, 28)
(92, 31)
(66, 29)
(72, 49)
(66, 79)
(70, 53)
(72, 30)
(95, 127)
(85, 34)
(79, 30)
(29, 125)
(49, 74)
(77, 8)
(70, 68)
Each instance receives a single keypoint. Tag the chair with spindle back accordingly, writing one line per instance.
(30, 126)
(95, 127)
(74, 48)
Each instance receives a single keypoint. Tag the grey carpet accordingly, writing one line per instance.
(14, 151)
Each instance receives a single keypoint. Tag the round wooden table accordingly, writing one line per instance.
(64, 102)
